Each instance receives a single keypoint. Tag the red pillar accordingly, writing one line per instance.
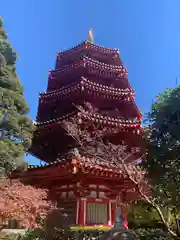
(77, 212)
(113, 212)
(82, 211)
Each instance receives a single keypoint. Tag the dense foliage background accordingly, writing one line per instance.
(15, 127)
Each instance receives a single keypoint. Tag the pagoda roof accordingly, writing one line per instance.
(84, 84)
(85, 165)
(89, 62)
(96, 118)
(83, 162)
(85, 45)
(66, 170)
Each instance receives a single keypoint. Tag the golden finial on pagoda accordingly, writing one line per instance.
(90, 36)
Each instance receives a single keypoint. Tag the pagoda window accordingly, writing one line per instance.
(97, 213)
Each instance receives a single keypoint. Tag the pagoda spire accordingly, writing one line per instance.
(91, 36)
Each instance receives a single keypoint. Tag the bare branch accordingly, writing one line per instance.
(91, 141)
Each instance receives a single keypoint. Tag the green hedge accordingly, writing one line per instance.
(146, 224)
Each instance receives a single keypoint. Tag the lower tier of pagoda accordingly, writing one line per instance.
(86, 191)
(51, 142)
(91, 212)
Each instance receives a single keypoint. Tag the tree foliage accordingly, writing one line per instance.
(163, 144)
(163, 133)
(16, 128)
(23, 203)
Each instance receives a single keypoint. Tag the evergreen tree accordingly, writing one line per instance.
(163, 156)
(163, 159)
(15, 127)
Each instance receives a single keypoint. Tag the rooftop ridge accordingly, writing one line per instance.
(89, 63)
(85, 81)
(80, 160)
(117, 68)
(87, 44)
(84, 162)
(95, 117)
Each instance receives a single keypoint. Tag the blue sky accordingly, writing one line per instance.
(147, 33)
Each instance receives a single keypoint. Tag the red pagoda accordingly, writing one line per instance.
(85, 189)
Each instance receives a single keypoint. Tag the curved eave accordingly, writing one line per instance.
(93, 163)
(85, 84)
(85, 45)
(91, 63)
(105, 120)
(116, 122)
(83, 164)
(137, 109)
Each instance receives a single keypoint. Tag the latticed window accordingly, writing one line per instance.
(97, 213)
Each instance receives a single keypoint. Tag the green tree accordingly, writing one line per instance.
(163, 156)
(16, 130)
